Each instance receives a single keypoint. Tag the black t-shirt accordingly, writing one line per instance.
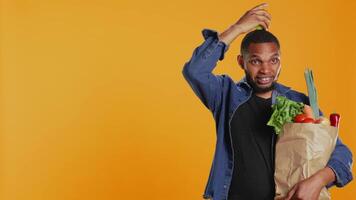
(254, 146)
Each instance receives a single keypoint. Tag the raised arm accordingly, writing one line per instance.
(198, 70)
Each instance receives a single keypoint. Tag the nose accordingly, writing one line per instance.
(265, 68)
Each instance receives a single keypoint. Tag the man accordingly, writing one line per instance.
(243, 165)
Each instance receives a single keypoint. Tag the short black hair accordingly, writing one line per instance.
(257, 36)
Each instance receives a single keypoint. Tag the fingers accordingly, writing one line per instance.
(291, 193)
(254, 17)
(262, 12)
(265, 26)
(263, 21)
(263, 5)
(262, 16)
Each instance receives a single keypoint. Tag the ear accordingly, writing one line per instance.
(240, 60)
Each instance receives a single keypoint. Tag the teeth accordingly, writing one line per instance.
(265, 79)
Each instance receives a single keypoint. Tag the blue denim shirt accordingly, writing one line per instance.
(222, 96)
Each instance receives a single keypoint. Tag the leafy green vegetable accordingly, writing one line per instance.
(284, 110)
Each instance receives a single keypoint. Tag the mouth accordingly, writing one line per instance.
(264, 80)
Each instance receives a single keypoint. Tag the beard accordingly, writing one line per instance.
(258, 89)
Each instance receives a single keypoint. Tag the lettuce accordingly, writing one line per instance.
(284, 110)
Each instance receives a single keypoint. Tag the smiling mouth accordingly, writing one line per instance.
(264, 80)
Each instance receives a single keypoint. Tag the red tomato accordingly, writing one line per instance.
(318, 121)
(308, 120)
(299, 118)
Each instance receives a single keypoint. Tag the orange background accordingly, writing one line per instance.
(94, 104)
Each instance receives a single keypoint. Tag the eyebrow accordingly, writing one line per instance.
(256, 56)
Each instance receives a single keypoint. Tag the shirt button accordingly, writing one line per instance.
(224, 186)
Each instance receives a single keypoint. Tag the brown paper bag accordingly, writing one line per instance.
(301, 150)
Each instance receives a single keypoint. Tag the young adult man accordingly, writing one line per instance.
(243, 166)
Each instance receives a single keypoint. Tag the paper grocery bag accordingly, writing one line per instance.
(301, 150)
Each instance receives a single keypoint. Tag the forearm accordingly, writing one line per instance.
(311, 187)
(248, 22)
(325, 176)
(230, 34)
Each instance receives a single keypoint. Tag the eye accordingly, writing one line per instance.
(255, 62)
(275, 60)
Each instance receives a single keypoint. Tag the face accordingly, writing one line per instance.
(261, 65)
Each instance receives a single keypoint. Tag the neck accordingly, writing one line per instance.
(264, 95)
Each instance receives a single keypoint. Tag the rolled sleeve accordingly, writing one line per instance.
(341, 175)
(209, 33)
